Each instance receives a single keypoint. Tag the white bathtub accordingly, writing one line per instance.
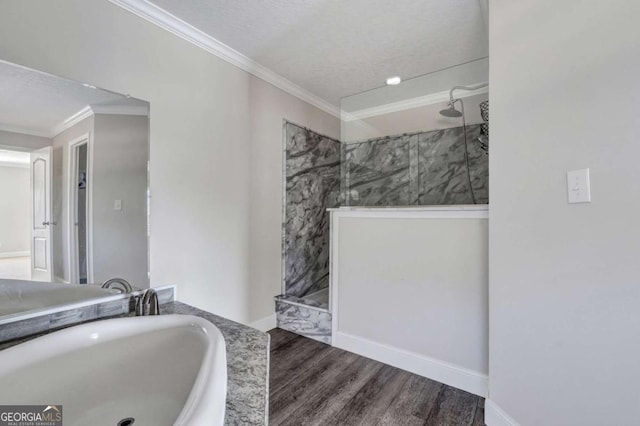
(20, 296)
(158, 370)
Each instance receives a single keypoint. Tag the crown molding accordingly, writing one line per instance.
(90, 110)
(431, 99)
(76, 118)
(85, 112)
(120, 109)
(53, 131)
(165, 20)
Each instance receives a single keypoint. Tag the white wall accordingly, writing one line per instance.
(564, 291)
(120, 153)
(22, 142)
(417, 285)
(216, 138)
(14, 210)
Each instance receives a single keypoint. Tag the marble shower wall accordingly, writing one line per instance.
(426, 168)
(377, 172)
(312, 184)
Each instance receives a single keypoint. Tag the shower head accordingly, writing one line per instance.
(451, 111)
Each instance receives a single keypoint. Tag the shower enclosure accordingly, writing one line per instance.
(311, 186)
(410, 149)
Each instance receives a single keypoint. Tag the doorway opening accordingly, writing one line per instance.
(15, 199)
(79, 204)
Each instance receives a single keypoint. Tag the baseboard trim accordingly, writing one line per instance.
(495, 416)
(265, 324)
(15, 254)
(450, 374)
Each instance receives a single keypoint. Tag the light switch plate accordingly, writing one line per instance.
(117, 205)
(578, 186)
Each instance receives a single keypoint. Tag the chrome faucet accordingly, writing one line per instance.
(147, 303)
(119, 284)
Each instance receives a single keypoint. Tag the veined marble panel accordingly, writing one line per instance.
(478, 165)
(377, 172)
(312, 323)
(426, 168)
(312, 174)
(442, 168)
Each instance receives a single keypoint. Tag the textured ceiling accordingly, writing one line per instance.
(336, 48)
(35, 102)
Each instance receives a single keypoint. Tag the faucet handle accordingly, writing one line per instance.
(139, 305)
(154, 305)
(147, 303)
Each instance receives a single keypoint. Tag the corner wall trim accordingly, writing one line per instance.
(180, 28)
(495, 416)
(453, 375)
(9, 254)
(265, 324)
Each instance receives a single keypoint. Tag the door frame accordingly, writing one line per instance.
(72, 210)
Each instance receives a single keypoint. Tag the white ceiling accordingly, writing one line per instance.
(36, 103)
(336, 48)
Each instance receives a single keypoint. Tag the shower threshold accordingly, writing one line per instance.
(307, 316)
(318, 300)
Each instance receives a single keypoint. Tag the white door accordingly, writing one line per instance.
(41, 223)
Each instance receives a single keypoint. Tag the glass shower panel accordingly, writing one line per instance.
(398, 150)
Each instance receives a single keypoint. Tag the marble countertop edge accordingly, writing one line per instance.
(247, 363)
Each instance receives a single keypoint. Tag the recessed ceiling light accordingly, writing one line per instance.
(90, 86)
(392, 81)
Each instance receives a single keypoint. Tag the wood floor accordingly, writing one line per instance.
(315, 384)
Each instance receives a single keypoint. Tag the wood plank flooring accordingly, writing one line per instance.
(315, 384)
